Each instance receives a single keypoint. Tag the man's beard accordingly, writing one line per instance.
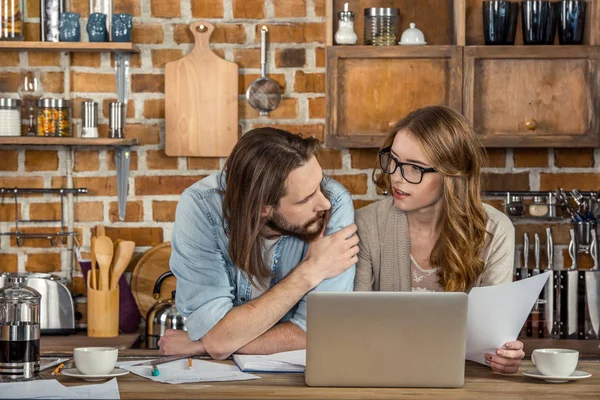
(303, 232)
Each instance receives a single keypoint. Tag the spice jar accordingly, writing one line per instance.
(11, 20)
(63, 117)
(45, 117)
(10, 117)
(382, 26)
(539, 207)
(345, 33)
(516, 207)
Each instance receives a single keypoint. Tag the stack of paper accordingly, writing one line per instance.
(289, 361)
(52, 389)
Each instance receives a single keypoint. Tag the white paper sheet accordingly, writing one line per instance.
(125, 364)
(107, 390)
(497, 313)
(202, 371)
(296, 357)
(46, 363)
(52, 389)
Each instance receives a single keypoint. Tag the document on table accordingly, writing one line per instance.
(285, 362)
(497, 313)
(296, 357)
(52, 389)
(202, 371)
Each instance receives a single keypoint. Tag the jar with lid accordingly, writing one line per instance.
(515, 206)
(10, 117)
(63, 117)
(19, 330)
(54, 117)
(382, 26)
(539, 207)
(11, 20)
(345, 33)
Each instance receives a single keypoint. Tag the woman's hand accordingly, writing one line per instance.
(507, 359)
(176, 342)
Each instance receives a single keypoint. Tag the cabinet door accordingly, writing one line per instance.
(371, 88)
(532, 96)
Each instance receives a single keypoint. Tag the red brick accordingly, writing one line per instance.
(9, 263)
(9, 160)
(320, 8)
(148, 83)
(154, 108)
(134, 211)
(320, 57)
(569, 181)
(165, 9)
(574, 158)
(53, 82)
(248, 9)
(290, 58)
(356, 184)
(9, 81)
(7, 210)
(85, 59)
(289, 8)
(44, 211)
(294, 32)
(203, 163)
(135, 60)
(309, 83)
(207, 8)
(86, 161)
(41, 160)
(364, 158)
(29, 182)
(164, 211)
(132, 7)
(157, 159)
(330, 159)
(148, 33)
(162, 56)
(43, 262)
(531, 158)
(499, 182)
(43, 59)
(247, 58)
(247, 79)
(316, 130)
(89, 211)
(158, 185)
(106, 107)
(33, 9)
(141, 236)
(110, 160)
(496, 157)
(223, 33)
(9, 59)
(317, 107)
(96, 186)
(93, 83)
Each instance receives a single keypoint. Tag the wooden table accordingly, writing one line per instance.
(480, 383)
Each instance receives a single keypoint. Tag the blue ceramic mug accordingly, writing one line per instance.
(122, 25)
(69, 29)
(96, 28)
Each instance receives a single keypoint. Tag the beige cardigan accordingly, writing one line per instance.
(384, 256)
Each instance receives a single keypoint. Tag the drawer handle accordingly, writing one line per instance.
(531, 124)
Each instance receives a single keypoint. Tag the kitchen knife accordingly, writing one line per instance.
(592, 287)
(535, 313)
(536, 254)
(523, 273)
(548, 293)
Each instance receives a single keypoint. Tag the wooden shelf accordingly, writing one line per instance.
(89, 47)
(65, 141)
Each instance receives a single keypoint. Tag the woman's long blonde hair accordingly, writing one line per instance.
(454, 150)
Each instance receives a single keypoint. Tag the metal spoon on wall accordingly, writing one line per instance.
(264, 94)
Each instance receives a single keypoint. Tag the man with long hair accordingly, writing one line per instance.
(251, 241)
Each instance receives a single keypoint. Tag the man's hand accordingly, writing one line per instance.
(176, 342)
(508, 359)
(329, 256)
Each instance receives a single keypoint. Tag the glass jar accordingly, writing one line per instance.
(539, 207)
(19, 330)
(345, 33)
(63, 117)
(515, 207)
(46, 117)
(11, 20)
(382, 26)
(10, 117)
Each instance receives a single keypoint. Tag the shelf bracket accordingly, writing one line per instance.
(122, 160)
(122, 64)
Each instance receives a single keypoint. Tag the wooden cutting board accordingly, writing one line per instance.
(149, 268)
(201, 101)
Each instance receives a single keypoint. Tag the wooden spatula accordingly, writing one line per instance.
(94, 284)
(104, 255)
(120, 261)
(100, 231)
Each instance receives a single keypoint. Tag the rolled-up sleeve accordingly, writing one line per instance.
(342, 215)
(204, 291)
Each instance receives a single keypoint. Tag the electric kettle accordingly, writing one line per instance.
(162, 316)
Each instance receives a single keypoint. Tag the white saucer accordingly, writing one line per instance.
(557, 379)
(73, 372)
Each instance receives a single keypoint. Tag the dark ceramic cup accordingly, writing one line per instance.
(571, 21)
(68, 27)
(96, 28)
(539, 21)
(500, 22)
(121, 27)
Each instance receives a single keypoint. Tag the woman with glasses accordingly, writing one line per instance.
(434, 233)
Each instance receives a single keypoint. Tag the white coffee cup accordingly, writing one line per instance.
(555, 362)
(95, 360)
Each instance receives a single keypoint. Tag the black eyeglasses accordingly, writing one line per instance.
(412, 173)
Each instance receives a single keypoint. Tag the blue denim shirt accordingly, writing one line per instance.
(209, 284)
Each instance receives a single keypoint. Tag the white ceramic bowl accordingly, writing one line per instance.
(95, 360)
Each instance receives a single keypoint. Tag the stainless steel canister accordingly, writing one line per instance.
(50, 11)
(116, 120)
(382, 26)
(89, 119)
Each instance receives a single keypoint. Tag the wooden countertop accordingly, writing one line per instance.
(480, 383)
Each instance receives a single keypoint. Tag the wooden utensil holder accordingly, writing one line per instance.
(103, 313)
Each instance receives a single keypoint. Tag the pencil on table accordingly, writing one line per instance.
(57, 370)
(189, 363)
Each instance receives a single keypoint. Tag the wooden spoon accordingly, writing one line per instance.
(104, 255)
(94, 285)
(100, 231)
(121, 260)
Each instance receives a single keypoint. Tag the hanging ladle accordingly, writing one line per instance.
(264, 94)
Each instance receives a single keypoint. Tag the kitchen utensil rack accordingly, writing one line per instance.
(51, 236)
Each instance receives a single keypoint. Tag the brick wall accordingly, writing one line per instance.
(296, 61)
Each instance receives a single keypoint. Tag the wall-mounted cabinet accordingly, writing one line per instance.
(515, 96)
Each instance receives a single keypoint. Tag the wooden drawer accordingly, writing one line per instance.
(370, 88)
(546, 96)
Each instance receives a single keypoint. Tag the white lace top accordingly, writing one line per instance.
(423, 280)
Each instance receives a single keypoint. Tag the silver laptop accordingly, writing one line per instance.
(386, 339)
